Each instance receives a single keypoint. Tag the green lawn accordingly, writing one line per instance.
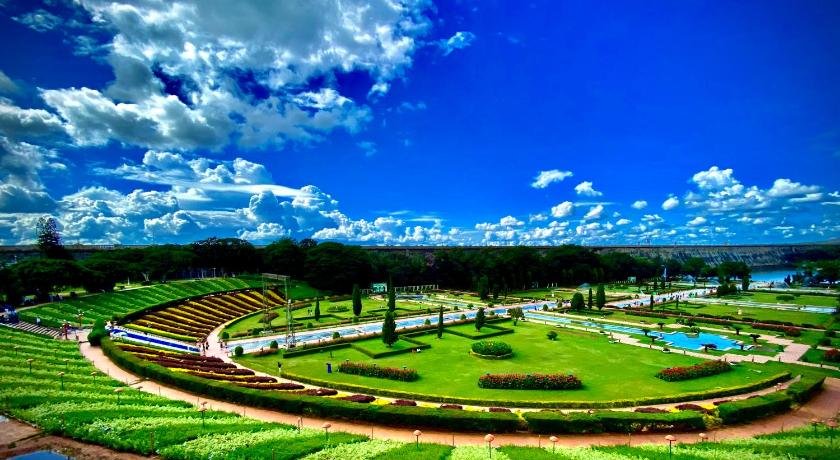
(800, 299)
(752, 313)
(609, 371)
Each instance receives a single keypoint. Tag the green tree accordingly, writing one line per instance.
(480, 319)
(578, 303)
(357, 300)
(600, 297)
(317, 309)
(483, 287)
(440, 323)
(392, 295)
(589, 302)
(49, 240)
(745, 283)
(694, 266)
(389, 329)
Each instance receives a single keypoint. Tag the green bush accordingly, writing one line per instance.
(97, 333)
(785, 297)
(552, 335)
(805, 388)
(273, 345)
(238, 351)
(491, 348)
(612, 422)
(753, 408)
(372, 370)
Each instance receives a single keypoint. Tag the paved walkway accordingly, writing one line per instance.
(823, 406)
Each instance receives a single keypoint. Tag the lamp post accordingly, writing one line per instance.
(670, 440)
(61, 376)
(815, 422)
(16, 348)
(703, 437)
(299, 423)
(489, 440)
(93, 374)
(29, 360)
(202, 410)
(66, 363)
(553, 440)
(118, 391)
(326, 426)
(417, 434)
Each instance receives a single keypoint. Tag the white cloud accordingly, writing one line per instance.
(6, 84)
(39, 20)
(808, 198)
(594, 212)
(457, 41)
(623, 222)
(28, 124)
(786, 187)
(714, 178)
(562, 210)
(671, 203)
(652, 219)
(585, 188)
(546, 178)
(639, 204)
(699, 220)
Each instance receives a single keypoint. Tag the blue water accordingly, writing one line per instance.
(40, 455)
(775, 275)
(376, 327)
(672, 339)
(167, 343)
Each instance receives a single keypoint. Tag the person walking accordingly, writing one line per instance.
(38, 321)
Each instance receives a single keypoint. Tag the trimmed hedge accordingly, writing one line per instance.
(746, 410)
(372, 370)
(417, 345)
(612, 421)
(97, 333)
(530, 381)
(491, 348)
(805, 388)
(316, 406)
(496, 331)
(704, 369)
(693, 396)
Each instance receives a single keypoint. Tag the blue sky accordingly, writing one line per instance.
(402, 122)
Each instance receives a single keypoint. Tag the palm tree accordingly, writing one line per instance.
(646, 331)
(755, 337)
(737, 330)
(661, 326)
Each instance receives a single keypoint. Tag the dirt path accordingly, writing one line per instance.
(825, 405)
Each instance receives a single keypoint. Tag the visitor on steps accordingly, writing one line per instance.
(38, 321)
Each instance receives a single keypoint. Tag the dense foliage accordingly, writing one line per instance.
(555, 422)
(530, 381)
(491, 348)
(674, 374)
(754, 408)
(372, 370)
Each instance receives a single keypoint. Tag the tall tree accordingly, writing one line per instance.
(389, 329)
(440, 323)
(483, 287)
(590, 303)
(578, 303)
(745, 283)
(392, 295)
(357, 300)
(651, 301)
(317, 309)
(49, 240)
(600, 297)
(480, 319)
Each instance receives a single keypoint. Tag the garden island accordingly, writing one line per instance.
(449, 347)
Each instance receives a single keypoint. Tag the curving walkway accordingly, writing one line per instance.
(824, 405)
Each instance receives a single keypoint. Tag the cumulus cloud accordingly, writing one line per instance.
(563, 209)
(623, 222)
(639, 204)
(699, 220)
(21, 187)
(670, 203)
(7, 85)
(546, 178)
(787, 187)
(457, 41)
(714, 178)
(585, 188)
(28, 124)
(594, 212)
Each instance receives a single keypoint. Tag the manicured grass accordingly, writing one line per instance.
(752, 313)
(800, 299)
(447, 369)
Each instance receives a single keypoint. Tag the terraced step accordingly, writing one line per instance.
(29, 327)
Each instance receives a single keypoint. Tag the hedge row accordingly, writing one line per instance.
(495, 332)
(417, 345)
(372, 370)
(749, 409)
(530, 381)
(693, 396)
(612, 421)
(704, 369)
(317, 406)
(805, 388)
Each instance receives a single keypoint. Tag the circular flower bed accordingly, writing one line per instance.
(492, 349)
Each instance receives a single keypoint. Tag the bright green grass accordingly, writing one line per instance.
(106, 305)
(770, 297)
(753, 313)
(609, 371)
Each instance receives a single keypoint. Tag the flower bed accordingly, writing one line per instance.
(372, 370)
(530, 381)
(364, 399)
(318, 392)
(674, 374)
(695, 408)
(492, 348)
(404, 402)
(452, 406)
(832, 355)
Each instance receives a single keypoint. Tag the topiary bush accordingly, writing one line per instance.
(97, 333)
(491, 348)
(552, 335)
(754, 408)
(273, 345)
(674, 374)
(238, 351)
